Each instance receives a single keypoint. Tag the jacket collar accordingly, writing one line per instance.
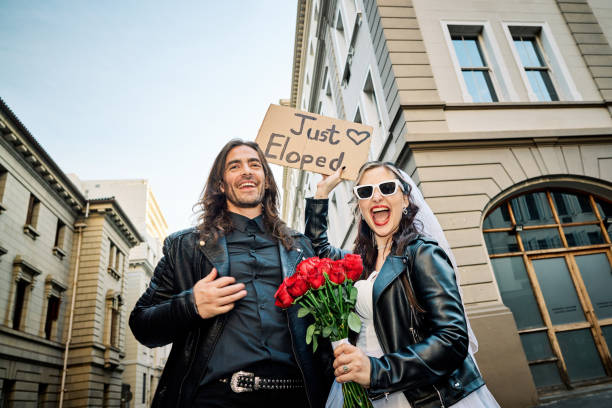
(216, 252)
(391, 269)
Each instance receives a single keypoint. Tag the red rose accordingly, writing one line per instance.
(353, 266)
(307, 265)
(315, 278)
(283, 298)
(337, 274)
(324, 265)
(296, 284)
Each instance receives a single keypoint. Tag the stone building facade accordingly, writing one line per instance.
(49, 234)
(143, 366)
(501, 113)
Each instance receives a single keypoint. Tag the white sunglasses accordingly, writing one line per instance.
(386, 188)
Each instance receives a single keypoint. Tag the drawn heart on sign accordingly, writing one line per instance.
(359, 137)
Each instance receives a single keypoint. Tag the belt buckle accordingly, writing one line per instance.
(235, 378)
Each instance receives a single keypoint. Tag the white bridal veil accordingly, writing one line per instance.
(433, 229)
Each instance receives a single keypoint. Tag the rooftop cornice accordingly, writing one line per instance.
(108, 206)
(13, 131)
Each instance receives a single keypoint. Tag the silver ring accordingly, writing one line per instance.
(345, 368)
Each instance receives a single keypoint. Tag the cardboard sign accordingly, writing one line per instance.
(312, 142)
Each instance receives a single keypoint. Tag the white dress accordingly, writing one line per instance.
(368, 343)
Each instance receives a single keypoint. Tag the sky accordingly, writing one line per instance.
(145, 89)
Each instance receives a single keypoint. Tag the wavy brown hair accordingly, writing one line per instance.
(408, 229)
(213, 216)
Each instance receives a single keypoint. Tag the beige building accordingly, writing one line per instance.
(53, 240)
(501, 113)
(143, 366)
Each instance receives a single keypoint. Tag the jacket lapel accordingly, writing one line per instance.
(216, 252)
(289, 259)
(391, 269)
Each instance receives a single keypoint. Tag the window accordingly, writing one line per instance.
(58, 245)
(20, 300)
(144, 388)
(472, 61)
(115, 261)
(540, 62)
(3, 178)
(551, 256)
(24, 276)
(8, 393)
(41, 398)
(527, 45)
(113, 306)
(54, 291)
(32, 217)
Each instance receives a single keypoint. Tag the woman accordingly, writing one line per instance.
(413, 347)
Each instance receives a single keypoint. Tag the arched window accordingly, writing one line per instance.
(551, 255)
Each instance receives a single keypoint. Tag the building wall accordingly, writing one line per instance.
(465, 157)
(26, 356)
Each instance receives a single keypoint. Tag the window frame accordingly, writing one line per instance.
(498, 72)
(568, 253)
(559, 72)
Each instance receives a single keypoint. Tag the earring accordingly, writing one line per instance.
(405, 211)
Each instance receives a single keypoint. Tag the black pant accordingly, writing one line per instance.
(219, 395)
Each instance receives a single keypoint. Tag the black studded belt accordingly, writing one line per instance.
(243, 381)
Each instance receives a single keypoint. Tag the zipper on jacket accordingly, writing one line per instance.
(297, 360)
(180, 391)
(439, 396)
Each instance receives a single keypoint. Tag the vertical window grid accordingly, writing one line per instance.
(474, 67)
(535, 66)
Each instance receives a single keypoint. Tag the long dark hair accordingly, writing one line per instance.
(213, 216)
(408, 229)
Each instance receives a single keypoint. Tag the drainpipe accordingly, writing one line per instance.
(80, 226)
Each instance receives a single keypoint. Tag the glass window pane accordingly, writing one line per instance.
(607, 333)
(558, 291)
(536, 346)
(605, 210)
(545, 375)
(501, 242)
(597, 276)
(580, 355)
(573, 207)
(478, 83)
(532, 209)
(527, 52)
(468, 52)
(583, 235)
(516, 291)
(545, 238)
(499, 218)
(538, 86)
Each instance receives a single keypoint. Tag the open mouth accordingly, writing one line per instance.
(380, 214)
(246, 185)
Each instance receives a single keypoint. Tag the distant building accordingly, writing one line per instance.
(500, 111)
(143, 366)
(49, 232)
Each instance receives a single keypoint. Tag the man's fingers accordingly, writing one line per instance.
(229, 290)
(231, 298)
(211, 276)
(223, 281)
(224, 308)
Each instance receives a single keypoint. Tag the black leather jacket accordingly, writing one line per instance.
(166, 313)
(426, 354)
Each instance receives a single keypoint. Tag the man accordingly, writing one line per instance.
(212, 296)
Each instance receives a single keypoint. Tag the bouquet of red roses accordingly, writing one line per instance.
(324, 289)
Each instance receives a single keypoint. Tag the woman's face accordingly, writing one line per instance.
(382, 213)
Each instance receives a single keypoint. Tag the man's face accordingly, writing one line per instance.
(244, 180)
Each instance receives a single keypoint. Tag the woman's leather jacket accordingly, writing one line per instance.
(426, 354)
